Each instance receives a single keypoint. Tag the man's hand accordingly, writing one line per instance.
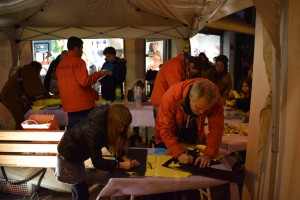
(203, 161)
(184, 158)
(106, 72)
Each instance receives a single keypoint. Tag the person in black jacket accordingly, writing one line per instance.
(105, 126)
(110, 83)
(51, 70)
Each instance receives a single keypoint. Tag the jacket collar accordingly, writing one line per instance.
(185, 103)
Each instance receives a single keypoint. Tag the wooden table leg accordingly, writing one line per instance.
(146, 137)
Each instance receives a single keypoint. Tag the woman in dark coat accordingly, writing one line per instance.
(21, 90)
(105, 126)
(220, 76)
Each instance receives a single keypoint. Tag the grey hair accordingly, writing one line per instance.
(204, 89)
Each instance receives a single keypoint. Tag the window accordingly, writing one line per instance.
(154, 54)
(209, 44)
(45, 51)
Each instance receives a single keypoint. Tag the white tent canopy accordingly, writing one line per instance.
(177, 19)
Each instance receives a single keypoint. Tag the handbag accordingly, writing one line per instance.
(40, 122)
(53, 88)
(21, 187)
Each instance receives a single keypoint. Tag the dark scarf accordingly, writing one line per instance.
(185, 103)
(188, 130)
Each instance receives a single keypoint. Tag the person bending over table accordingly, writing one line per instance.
(104, 126)
(181, 117)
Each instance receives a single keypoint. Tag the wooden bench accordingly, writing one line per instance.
(30, 148)
(34, 149)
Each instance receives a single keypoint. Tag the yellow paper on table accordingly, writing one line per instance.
(100, 101)
(51, 102)
(38, 103)
(236, 94)
(35, 108)
(42, 103)
(150, 166)
(229, 103)
(201, 148)
(47, 102)
(155, 169)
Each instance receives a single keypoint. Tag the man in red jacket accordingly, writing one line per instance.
(75, 84)
(182, 114)
(171, 72)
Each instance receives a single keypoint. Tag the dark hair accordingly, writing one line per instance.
(139, 83)
(74, 42)
(223, 59)
(151, 74)
(109, 50)
(203, 54)
(248, 81)
(36, 65)
(197, 62)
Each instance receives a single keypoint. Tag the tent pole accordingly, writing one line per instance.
(275, 124)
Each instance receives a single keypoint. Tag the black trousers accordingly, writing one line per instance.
(80, 191)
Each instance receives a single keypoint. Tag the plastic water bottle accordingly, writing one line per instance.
(138, 96)
(118, 94)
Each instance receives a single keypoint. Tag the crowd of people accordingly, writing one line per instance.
(182, 96)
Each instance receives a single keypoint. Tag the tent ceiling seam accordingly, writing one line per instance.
(43, 6)
(175, 19)
(216, 10)
(41, 33)
(140, 10)
(155, 32)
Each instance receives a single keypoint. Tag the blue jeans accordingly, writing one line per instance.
(75, 117)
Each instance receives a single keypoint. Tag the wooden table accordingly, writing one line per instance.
(154, 185)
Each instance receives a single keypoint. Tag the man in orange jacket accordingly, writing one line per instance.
(182, 113)
(75, 84)
(171, 72)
